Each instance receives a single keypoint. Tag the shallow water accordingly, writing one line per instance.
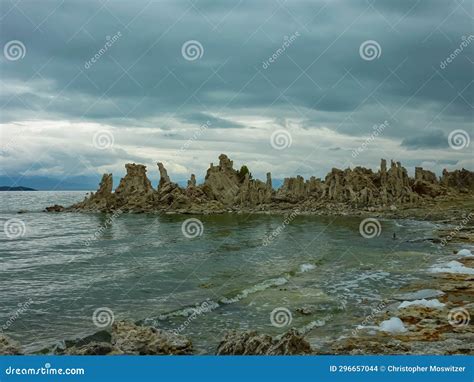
(142, 267)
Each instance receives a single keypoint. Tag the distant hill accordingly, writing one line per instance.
(43, 183)
(20, 188)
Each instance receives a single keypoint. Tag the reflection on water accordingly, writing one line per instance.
(143, 268)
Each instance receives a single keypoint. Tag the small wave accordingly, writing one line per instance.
(254, 289)
(209, 305)
(203, 307)
(313, 324)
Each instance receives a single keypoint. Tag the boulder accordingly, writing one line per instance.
(142, 340)
(253, 343)
(55, 208)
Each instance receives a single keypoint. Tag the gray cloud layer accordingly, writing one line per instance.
(318, 87)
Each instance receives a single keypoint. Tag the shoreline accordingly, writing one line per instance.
(428, 328)
(447, 211)
(437, 322)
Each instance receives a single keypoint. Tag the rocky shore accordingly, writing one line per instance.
(433, 317)
(429, 317)
(225, 189)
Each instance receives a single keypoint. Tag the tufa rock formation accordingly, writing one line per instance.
(463, 180)
(226, 189)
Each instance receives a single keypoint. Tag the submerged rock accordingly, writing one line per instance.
(9, 346)
(253, 343)
(126, 337)
(55, 208)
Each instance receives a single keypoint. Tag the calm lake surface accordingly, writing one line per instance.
(142, 267)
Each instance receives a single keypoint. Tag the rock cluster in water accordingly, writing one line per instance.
(227, 189)
(124, 337)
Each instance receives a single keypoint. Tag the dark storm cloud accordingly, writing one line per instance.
(318, 79)
(432, 139)
(209, 120)
(149, 50)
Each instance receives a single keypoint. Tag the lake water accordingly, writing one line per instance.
(65, 266)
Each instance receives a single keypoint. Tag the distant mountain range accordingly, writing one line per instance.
(77, 183)
(8, 188)
(43, 183)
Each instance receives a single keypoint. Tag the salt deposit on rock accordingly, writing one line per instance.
(420, 294)
(435, 303)
(465, 253)
(393, 325)
(452, 267)
(253, 343)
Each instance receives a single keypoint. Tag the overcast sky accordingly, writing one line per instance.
(289, 87)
